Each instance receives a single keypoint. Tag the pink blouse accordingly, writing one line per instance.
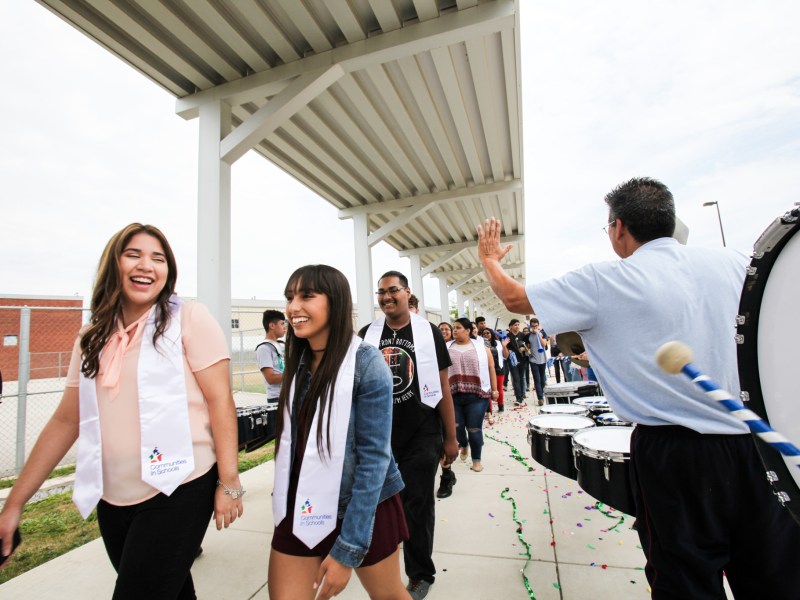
(204, 344)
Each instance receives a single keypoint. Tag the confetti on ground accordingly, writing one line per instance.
(590, 547)
(555, 585)
(491, 515)
(527, 554)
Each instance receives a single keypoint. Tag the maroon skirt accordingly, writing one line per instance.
(388, 531)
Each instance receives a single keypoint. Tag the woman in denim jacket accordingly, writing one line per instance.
(333, 452)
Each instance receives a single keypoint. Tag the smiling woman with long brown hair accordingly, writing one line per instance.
(149, 401)
(336, 499)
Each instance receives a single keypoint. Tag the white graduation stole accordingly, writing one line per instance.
(316, 505)
(166, 451)
(430, 385)
(483, 363)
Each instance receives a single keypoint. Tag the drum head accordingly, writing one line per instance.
(561, 387)
(607, 439)
(559, 424)
(769, 335)
(563, 409)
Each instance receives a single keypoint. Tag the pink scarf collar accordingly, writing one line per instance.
(115, 350)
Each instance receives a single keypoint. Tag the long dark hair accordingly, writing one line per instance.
(493, 341)
(325, 280)
(466, 324)
(107, 295)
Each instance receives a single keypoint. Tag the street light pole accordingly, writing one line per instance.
(719, 218)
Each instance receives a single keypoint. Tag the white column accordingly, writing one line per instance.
(214, 215)
(444, 299)
(365, 287)
(459, 303)
(472, 309)
(416, 282)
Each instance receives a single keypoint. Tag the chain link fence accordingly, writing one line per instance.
(247, 332)
(34, 358)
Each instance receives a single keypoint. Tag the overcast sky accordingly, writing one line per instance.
(702, 95)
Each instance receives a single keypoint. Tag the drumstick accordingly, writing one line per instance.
(676, 357)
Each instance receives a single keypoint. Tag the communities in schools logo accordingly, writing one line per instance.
(427, 392)
(156, 456)
(306, 508)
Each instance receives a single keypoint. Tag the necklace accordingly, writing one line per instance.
(394, 331)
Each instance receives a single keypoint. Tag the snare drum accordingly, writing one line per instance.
(602, 458)
(550, 437)
(597, 405)
(564, 409)
(565, 392)
(768, 329)
(610, 418)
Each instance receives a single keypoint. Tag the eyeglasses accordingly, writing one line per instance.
(392, 291)
(609, 225)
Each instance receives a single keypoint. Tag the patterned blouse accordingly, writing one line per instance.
(464, 374)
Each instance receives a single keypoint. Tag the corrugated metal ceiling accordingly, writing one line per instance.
(406, 110)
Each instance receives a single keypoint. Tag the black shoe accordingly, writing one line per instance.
(198, 553)
(501, 408)
(418, 588)
(446, 483)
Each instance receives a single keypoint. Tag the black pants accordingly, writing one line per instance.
(557, 366)
(152, 544)
(518, 379)
(418, 462)
(539, 378)
(704, 506)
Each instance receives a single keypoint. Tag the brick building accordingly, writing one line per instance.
(55, 321)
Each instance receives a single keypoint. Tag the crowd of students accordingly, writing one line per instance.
(366, 420)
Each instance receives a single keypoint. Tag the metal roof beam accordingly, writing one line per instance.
(421, 37)
(473, 271)
(509, 239)
(429, 270)
(460, 284)
(397, 222)
(276, 112)
(500, 187)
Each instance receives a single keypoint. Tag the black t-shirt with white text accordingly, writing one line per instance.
(410, 416)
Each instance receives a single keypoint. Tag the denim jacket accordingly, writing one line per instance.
(369, 473)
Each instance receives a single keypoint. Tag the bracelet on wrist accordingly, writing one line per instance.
(232, 492)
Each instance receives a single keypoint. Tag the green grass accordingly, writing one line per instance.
(257, 457)
(59, 472)
(49, 529)
(53, 526)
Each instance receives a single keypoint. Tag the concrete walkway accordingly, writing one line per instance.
(577, 552)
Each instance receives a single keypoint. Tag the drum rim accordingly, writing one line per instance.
(546, 410)
(753, 290)
(564, 432)
(611, 455)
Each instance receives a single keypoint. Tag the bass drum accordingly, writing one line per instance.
(767, 334)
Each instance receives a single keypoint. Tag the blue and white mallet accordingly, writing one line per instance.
(676, 357)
